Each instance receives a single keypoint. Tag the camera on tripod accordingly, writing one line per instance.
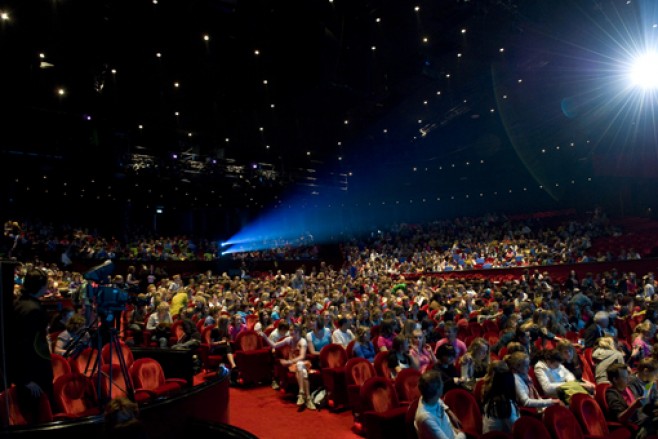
(108, 298)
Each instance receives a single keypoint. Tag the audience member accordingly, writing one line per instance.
(500, 410)
(526, 393)
(433, 419)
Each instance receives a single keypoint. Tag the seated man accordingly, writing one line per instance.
(343, 334)
(445, 365)
(433, 419)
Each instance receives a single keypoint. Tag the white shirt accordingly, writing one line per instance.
(551, 379)
(342, 338)
(432, 422)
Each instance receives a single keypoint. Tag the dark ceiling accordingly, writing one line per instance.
(216, 104)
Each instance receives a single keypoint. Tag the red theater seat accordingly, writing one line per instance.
(383, 416)
(464, 405)
(119, 385)
(381, 365)
(149, 379)
(17, 415)
(357, 372)
(591, 418)
(254, 362)
(333, 358)
(85, 362)
(561, 423)
(529, 427)
(60, 364)
(406, 385)
(125, 351)
(75, 396)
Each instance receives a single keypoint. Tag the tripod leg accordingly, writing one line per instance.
(123, 366)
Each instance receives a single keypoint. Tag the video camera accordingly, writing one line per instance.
(107, 297)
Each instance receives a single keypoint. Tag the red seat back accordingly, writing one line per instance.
(528, 427)
(478, 392)
(177, 330)
(381, 365)
(379, 395)
(496, 435)
(350, 349)
(358, 371)
(464, 405)
(205, 334)
(252, 319)
(406, 384)
(75, 395)
(589, 415)
(119, 386)
(409, 419)
(125, 351)
(147, 373)
(588, 373)
(249, 340)
(332, 355)
(16, 415)
(599, 393)
(60, 364)
(85, 362)
(561, 423)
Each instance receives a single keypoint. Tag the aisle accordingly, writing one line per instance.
(263, 412)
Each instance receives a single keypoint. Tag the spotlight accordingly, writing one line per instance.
(644, 71)
(224, 244)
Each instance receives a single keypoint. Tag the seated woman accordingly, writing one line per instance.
(569, 358)
(296, 362)
(363, 348)
(499, 408)
(552, 375)
(318, 337)
(421, 351)
(66, 338)
(220, 343)
(159, 323)
(475, 362)
(643, 340)
(451, 339)
(526, 393)
(623, 405)
(386, 335)
(399, 358)
(605, 354)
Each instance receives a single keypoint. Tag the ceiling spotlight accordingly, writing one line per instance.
(644, 71)
(206, 37)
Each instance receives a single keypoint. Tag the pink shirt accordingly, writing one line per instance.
(383, 341)
(423, 357)
(460, 347)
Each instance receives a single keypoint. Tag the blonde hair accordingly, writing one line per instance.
(606, 343)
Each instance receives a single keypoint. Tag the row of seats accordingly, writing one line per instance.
(76, 394)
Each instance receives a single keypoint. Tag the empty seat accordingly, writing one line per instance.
(149, 379)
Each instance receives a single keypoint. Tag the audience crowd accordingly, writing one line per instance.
(545, 340)
(490, 241)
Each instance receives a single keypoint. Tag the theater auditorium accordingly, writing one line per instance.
(329, 219)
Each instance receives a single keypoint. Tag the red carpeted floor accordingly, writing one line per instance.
(265, 413)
